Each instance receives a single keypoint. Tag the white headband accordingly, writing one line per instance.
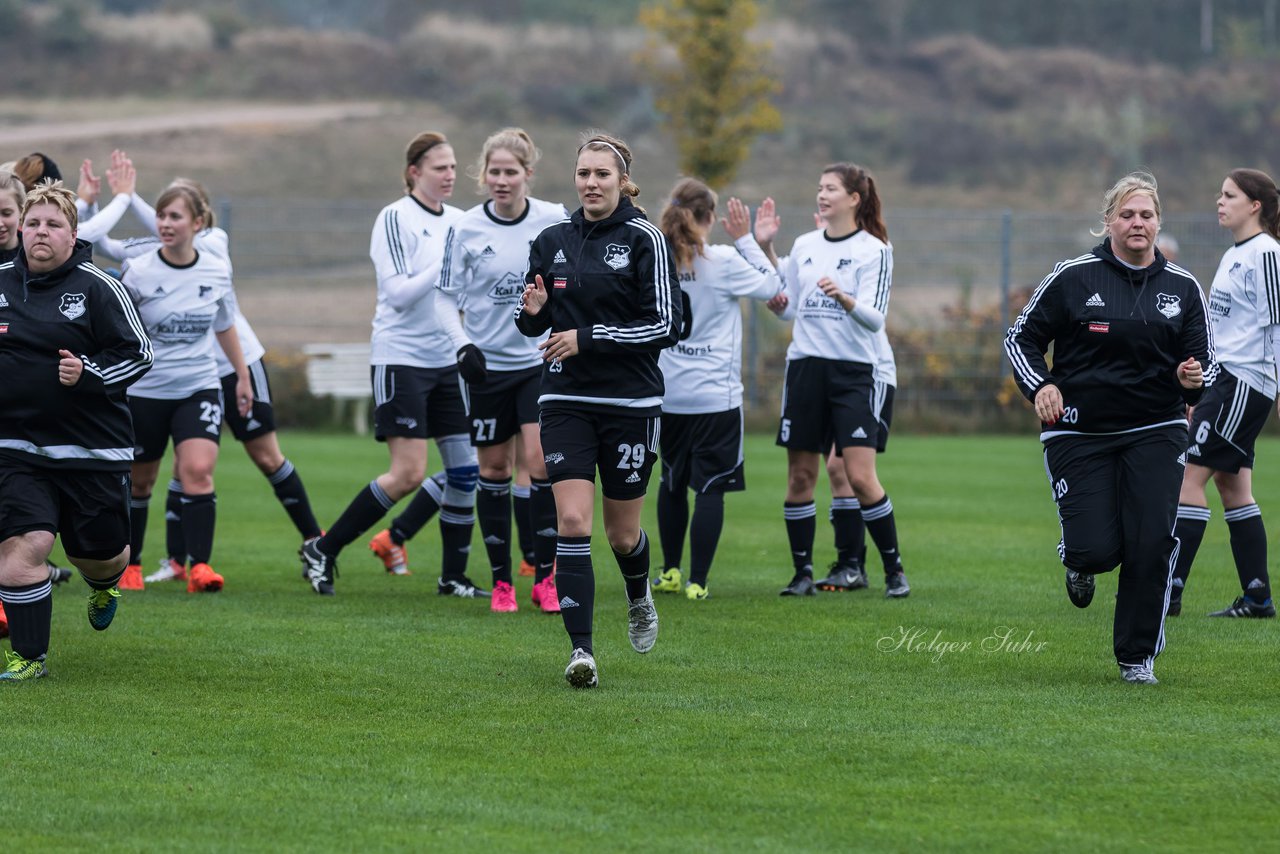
(621, 159)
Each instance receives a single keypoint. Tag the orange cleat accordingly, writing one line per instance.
(202, 579)
(132, 578)
(4, 623)
(527, 569)
(394, 558)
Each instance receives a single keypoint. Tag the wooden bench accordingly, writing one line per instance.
(341, 371)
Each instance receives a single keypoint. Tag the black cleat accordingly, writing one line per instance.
(1246, 607)
(1175, 607)
(318, 568)
(801, 585)
(1080, 588)
(57, 574)
(461, 587)
(844, 577)
(896, 586)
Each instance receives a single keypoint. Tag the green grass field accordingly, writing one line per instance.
(268, 718)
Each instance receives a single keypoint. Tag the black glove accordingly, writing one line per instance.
(471, 364)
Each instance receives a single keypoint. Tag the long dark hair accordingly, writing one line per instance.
(690, 203)
(1259, 187)
(858, 180)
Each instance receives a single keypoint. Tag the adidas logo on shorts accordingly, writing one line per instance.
(559, 259)
(1094, 301)
(859, 433)
(634, 477)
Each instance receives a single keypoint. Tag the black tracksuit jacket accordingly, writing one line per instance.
(1118, 336)
(78, 308)
(615, 282)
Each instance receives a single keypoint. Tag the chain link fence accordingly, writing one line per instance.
(303, 276)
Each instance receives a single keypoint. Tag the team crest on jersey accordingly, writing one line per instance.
(844, 262)
(617, 255)
(72, 306)
(1168, 305)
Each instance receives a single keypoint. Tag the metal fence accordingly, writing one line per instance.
(304, 276)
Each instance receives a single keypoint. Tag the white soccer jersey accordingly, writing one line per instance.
(863, 267)
(213, 241)
(886, 370)
(182, 308)
(703, 372)
(1244, 311)
(485, 262)
(407, 248)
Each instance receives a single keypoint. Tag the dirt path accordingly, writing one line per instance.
(207, 117)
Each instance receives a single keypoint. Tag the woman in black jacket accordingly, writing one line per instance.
(1131, 350)
(604, 283)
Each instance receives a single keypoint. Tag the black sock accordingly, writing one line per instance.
(704, 534)
(884, 533)
(1249, 547)
(576, 584)
(673, 521)
(102, 583)
(802, 525)
(524, 521)
(173, 539)
(456, 524)
(425, 504)
(635, 568)
(30, 612)
(1189, 529)
(493, 511)
(137, 526)
(293, 497)
(848, 528)
(199, 512)
(364, 511)
(542, 503)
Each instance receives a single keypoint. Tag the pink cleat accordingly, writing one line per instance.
(544, 595)
(504, 598)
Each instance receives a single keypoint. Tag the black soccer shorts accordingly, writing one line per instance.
(1225, 424)
(577, 442)
(499, 405)
(155, 420)
(417, 403)
(262, 417)
(88, 509)
(703, 452)
(826, 401)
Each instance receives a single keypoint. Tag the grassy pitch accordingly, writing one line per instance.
(982, 712)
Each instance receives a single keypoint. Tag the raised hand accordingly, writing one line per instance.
(90, 185)
(122, 177)
(767, 222)
(534, 296)
(737, 221)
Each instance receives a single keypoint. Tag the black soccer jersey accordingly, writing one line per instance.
(78, 308)
(1118, 336)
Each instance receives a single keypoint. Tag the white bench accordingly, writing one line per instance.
(341, 371)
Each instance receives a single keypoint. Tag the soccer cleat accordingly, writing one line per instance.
(1138, 674)
(4, 622)
(102, 607)
(545, 595)
(20, 669)
(395, 558)
(642, 623)
(202, 579)
(581, 672)
(800, 585)
(169, 570)
(527, 569)
(668, 581)
(317, 567)
(896, 586)
(460, 587)
(132, 578)
(849, 576)
(504, 598)
(1174, 609)
(1246, 607)
(695, 592)
(57, 574)
(1080, 588)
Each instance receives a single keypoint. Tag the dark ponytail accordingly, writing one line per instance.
(690, 203)
(1259, 187)
(868, 216)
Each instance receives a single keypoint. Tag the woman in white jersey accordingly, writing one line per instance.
(701, 443)
(486, 256)
(838, 281)
(256, 432)
(1244, 314)
(186, 301)
(415, 376)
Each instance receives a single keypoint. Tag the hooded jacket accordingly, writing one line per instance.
(615, 282)
(78, 308)
(1118, 335)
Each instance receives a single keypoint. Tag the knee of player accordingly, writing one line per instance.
(460, 484)
(1092, 557)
